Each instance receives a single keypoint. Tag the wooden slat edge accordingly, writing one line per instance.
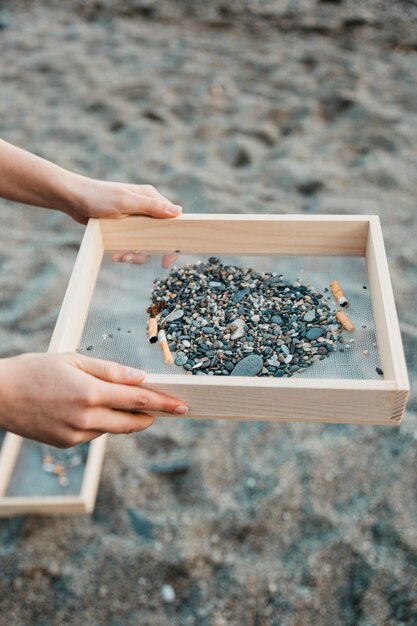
(8, 457)
(92, 472)
(42, 505)
(239, 234)
(384, 311)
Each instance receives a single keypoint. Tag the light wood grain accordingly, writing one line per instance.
(92, 472)
(42, 505)
(239, 234)
(8, 457)
(385, 316)
(292, 400)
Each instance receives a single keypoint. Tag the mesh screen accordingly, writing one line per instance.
(116, 324)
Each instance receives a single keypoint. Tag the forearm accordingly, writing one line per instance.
(27, 178)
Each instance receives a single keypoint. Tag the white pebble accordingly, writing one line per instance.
(167, 593)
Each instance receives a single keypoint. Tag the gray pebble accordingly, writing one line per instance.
(315, 332)
(239, 295)
(249, 366)
(309, 316)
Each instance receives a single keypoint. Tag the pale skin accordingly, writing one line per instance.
(67, 399)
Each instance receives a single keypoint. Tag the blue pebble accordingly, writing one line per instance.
(249, 366)
(239, 295)
(315, 332)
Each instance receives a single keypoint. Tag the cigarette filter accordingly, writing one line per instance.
(153, 330)
(162, 338)
(338, 294)
(343, 319)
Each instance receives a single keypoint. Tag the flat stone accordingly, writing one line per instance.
(141, 525)
(176, 315)
(309, 316)
(215, 285)
(181, 359)
(208, 330)
(239, 295)
(315, 332)
(249, 366)
(169, 465)
(277, 319)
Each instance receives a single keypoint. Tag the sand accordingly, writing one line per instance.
(226, 107)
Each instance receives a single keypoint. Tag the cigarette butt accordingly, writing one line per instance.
(165, 347)
(153, 330)
(343, 319)
(338, 294)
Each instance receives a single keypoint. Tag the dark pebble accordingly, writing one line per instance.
(169, 466)
(239, 295)
(315, 332)
(379, 371)
(249, 366)
(141, 525)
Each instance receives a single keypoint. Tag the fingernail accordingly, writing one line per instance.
(133, 373)
(181, 410)
(174, 209)
(128, 258)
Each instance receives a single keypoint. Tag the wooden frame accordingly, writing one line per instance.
(314, 400)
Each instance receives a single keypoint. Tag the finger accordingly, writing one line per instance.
(119, 422)
(168, 260)
(137, 258)
(110, 371)
(139, 399)
(154, 207)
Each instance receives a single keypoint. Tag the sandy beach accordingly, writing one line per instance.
(226, 107)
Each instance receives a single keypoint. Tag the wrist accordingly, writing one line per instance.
(73, 196)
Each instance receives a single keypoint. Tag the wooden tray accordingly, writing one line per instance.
(327, 400)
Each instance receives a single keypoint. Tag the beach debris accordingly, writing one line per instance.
(338, 294)
(153, 311)
(344, 321)
(162, 338)
(153, 329)
(229, 317)
(379, 371)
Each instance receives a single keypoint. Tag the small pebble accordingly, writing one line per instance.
(309, 316)
(379, 371)
(249, 366)
(315, 332)
(168, 594)
(176, 315)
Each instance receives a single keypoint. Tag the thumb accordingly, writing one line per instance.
(154, 207)
(111, 371)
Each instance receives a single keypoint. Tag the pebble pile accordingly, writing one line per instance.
(232, 321)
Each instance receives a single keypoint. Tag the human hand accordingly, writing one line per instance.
(139, 258)
(103, 199)
(66, 399)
